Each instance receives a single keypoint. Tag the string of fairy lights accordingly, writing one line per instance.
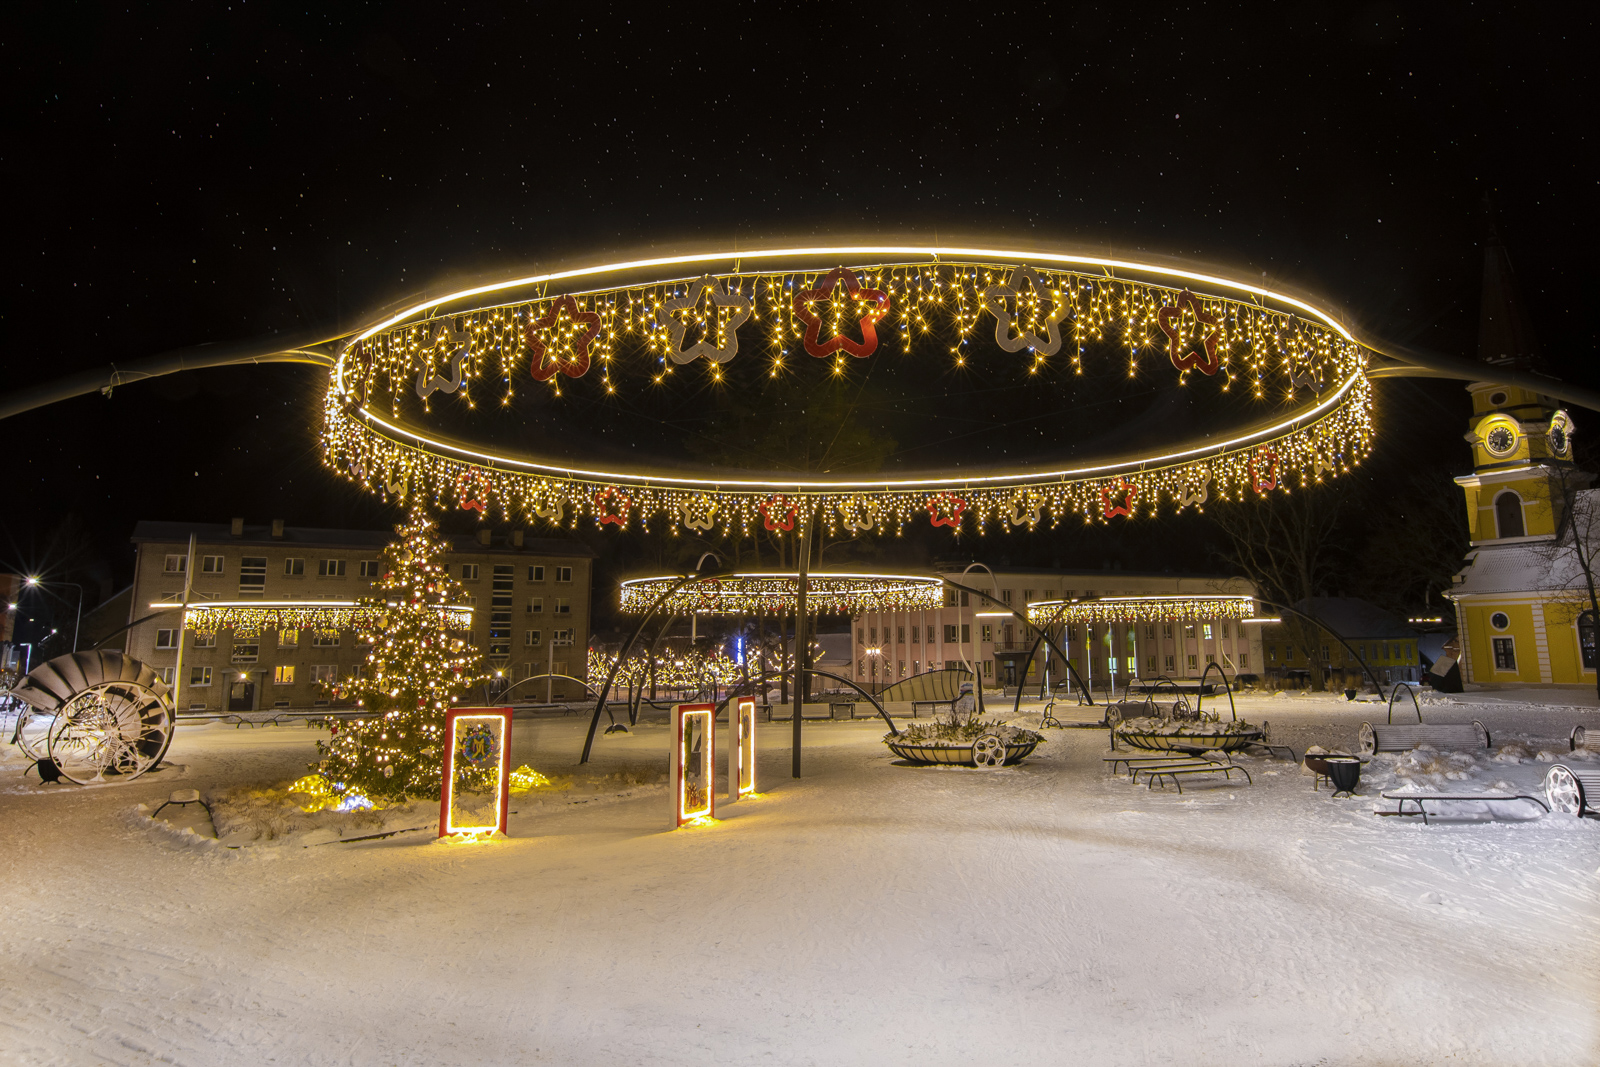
(639, 336)
(772, 594)
(250, 620)
(1140, 609)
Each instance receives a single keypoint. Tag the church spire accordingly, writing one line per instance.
(1505, 330)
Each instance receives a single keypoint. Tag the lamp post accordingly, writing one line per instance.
(35, 582)
(874, 653)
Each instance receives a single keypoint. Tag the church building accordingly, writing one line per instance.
(1522, 599)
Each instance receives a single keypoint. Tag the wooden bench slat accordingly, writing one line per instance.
(1374, 739)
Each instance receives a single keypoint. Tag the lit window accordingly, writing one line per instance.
(288, 638)
(199, 676)
(246, 653)
(1205, 631)
(532, 639)
(203, 641)
(283, 674)
(325, 673)
(325, 639)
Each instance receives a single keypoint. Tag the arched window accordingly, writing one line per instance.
(1508, 514)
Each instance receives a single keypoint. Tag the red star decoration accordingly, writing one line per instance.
(1118, 498)
(780, 506)
(869, 321)
(1168, 318)
(542, 364)
(612, 505)
(1268, 482)
(470, 493)
(946, 509)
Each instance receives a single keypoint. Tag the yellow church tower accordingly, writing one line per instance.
(1518, 604)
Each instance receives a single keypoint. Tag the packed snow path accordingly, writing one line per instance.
(868, 913)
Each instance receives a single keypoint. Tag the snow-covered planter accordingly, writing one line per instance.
(970, 744)
(1165, 735)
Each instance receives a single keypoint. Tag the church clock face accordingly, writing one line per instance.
(1500, 441)
(1560, 434)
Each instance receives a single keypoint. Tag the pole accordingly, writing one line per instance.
(183, 630)
(77, 623)
(801, 645)
(549, 670)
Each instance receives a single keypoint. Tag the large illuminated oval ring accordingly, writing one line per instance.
(568, 330)
(831, 593)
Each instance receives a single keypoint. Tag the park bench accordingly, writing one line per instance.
(1463, 735)
(1420, 798)
(1584, 739)
(1173, 766)
(1573, 790)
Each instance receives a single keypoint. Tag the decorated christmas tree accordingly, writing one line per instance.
(419, 667)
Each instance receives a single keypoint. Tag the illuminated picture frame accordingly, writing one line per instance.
(480, 737)
(741, 748)
(694, 750)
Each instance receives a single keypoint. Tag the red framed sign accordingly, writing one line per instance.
(475, 795)
(694, 746)
(741, 748)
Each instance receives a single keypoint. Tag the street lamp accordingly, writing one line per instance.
(874, 653)
(35, 582)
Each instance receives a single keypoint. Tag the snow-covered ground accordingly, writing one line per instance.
(867, 913)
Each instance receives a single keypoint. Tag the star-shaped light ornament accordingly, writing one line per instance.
(1040, 308)
(721, 320)
(1118, 498)
(454, 341)
(945, 509)
(558, 341)
(699, 513)
(1170, 319)
(866, 305)
(612, 505)
(1264, 470)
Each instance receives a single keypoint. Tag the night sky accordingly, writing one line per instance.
(217, 172)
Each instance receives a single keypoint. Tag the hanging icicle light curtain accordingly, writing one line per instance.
(580, 330)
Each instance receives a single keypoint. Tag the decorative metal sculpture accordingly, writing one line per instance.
(93, 714)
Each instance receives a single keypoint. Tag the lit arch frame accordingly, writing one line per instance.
(1289, 345)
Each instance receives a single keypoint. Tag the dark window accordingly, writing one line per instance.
(1508, 514)
(1586, 639)
(1505, 655)
(252, 574)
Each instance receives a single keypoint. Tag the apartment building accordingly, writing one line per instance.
(979, 632)
(530, 599)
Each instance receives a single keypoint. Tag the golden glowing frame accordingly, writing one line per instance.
(682, 812)
(827, 592)
(502, 776)
(560, 325)
(1135, 609)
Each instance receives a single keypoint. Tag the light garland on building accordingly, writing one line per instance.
(1136, 609)
(1039, 311)
(250, 618)
(827, 593)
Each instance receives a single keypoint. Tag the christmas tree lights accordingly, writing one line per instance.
(416, 672)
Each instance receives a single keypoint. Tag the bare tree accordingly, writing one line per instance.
(1572, 559)
(1284, 543)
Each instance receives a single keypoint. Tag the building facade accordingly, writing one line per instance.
(1520, 599)
(530, 599)
(1387, 645)
(980, 634)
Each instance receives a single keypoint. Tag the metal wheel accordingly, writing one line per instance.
(989, 752)
(118, 728)
(32, 733)
(1563, 790)
(1366, 740)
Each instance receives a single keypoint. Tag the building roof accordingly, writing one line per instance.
(1544, 566)
(219, 533)
(1351, 617)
